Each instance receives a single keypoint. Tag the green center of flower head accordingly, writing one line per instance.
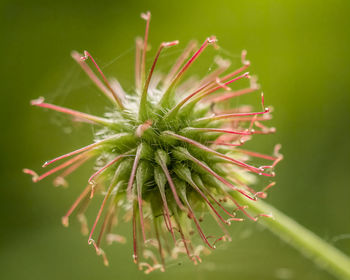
(167, 154)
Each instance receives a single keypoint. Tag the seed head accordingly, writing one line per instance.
(167, 153)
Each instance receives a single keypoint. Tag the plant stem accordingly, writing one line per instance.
(312, 246)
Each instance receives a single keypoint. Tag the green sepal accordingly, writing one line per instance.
(146, 151)
(159, 178)
(183, 173)
(161, 157)
(167, 139)
(122, 144)
(181, 188)
(144, 172)
(124, 169)
(181, 153)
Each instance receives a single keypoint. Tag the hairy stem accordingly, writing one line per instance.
(312, 246)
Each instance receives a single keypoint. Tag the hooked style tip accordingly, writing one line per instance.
(35, 176)
(212, 39)
(85, 56)
(169, 44)
(37, 101)
(146, 16)
(243, 58)
(65, 221)
(246, 75)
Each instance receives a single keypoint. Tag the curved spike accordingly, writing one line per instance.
(134, 232)
(133, 171)
(182, 191)
(219, 130)
(138, 51)
(160, 179)
(210, 91)
(65, 218)
(190, 47)
(147, 17)
(110, 188)
(165, 97)
(77, 57)
(88, 147)
(106, 221)
(161, 160)
(185, 174)
(107, 165)
(143, 101)
(205, 148)
(200, 184)
(36, 177)
(115, 96)
(60, 179)
(79, 115)
(188, 156)
(141, 178)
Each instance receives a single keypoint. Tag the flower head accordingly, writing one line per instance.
(168, 153)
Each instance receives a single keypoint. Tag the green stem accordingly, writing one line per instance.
(322, 253)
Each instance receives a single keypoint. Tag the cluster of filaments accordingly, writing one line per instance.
(168, 154)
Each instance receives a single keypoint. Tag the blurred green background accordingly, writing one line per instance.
(299, 50)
